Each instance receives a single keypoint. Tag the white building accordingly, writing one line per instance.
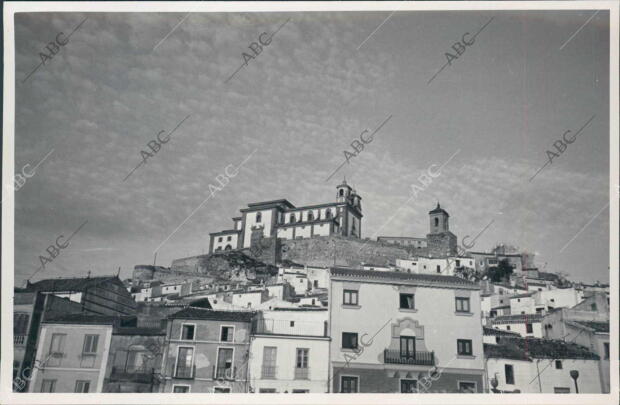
(290, 351)
(525, 325)
(428, 265)
(541, 366)
(391, 329)
(281, 219)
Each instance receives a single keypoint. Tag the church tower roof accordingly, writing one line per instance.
(439, 210)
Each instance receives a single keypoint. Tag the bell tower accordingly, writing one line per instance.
(441, 242)
(343, 191)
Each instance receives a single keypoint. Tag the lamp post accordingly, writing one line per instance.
(574, 374)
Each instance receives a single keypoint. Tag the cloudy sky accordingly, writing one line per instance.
(292, 112)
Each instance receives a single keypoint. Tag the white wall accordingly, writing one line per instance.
(233, 242)
(521, 329)
(250, 221)
(526, 380)
(318, 363)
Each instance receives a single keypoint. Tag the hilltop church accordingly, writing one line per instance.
(281, 219)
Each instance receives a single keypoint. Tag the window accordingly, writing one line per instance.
(229, 238)
(328, 214)
(558, 364)
(310, 216)
(507, 327)
(593, 306)
(529, 328)
(228, 247)
(82, 386)
(20, 324)
(221, 390)
(341, 192)
(315, 283)
(458, 263)
(227, 333)
(350, 297)
(406, 301)
(220, 239)
(266, 390)
(259, 217)
(292, 218)
(292, 324)
(606, 349)
(300, 391)
(180, 388)
(57, 349)
(464, 347)
(509, 373)
(90, 344)
(48, 386)
(462, 304)
(269, 362)
(184, 362)
(348, 384)
(408, 386)
(436, 221)
(438, 269)
(187, 332)
(301, 364)
(349, 340)
(224, 363)
(561, 390)
(467, 387)
(407, 347)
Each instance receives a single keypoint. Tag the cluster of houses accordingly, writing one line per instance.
(311, 329)
(431, 322)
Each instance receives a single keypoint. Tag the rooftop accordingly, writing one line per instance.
(393, 276)
(498, 332)
(519, 318)
(91, 319)
(599, 327)
(69, 284)
(216, 315)
(528, 348)
(135, 331)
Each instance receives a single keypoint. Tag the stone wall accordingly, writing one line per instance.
(320, 251)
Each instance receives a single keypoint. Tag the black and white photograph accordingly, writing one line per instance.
(387, 201)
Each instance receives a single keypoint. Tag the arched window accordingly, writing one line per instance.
(228, 247)
(259, 217)
(436, 221)
(341, 192)
(310, 216)
(219, 248)
(292, 219)
(328, 213)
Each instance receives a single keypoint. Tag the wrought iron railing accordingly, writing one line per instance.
(416, 358)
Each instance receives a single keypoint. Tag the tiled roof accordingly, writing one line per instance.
(139, 331)
(602, 327)
(210, 314)
(68, 284)
(430, 279)
(528, 348)
(523, 295)
(498, 332)
(90, 319)
(519, 318)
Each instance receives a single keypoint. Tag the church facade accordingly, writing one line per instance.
(281, 219)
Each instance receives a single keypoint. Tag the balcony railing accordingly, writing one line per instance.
(417, 358)
(302, 373)
(224, 373)
(187, 373)
(19, 340)
(268, 372)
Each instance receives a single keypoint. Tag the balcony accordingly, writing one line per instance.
(302, 373)
(420, 358)
(19, 340)
(223, 373)
(186, 373)
(268, 372)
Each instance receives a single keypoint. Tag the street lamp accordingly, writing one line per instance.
(574, 374)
